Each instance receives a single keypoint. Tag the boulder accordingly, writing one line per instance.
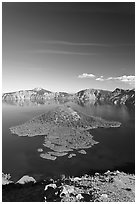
(52, 185)
(26, 179)
(6, 179)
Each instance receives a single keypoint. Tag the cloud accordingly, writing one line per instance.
(130, 79)
(86, 75)
(110, 78)
(100, 79)
(126, 79)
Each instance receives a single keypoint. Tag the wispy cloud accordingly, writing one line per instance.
(63, 52)
(55, 42)
(76, 48)
(58, 42)
(86, 75)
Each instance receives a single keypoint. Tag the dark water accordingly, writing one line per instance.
(115, 150)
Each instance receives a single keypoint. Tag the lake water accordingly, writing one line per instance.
(115, 150)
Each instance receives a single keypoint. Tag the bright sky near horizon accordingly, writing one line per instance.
(68, 46)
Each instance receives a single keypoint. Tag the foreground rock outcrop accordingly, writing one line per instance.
(64, 130)
(107, 187)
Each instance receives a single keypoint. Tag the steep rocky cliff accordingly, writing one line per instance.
(27, 94)
(39, 95)
(42, 96)
(118, 96)
(93, 95)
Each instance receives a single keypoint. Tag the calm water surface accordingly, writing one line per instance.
(115, 150)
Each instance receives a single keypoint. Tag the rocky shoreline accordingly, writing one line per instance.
(106, 187)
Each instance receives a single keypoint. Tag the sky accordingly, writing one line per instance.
(68, 46)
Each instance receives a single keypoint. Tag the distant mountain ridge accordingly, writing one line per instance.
(118, 96)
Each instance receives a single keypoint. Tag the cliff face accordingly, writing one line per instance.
(118, 96)
(93, 95)
(39, 95)
(36, 95)
(27, 94)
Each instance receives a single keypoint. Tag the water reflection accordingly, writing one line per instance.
(108, 111)
(30, 103)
